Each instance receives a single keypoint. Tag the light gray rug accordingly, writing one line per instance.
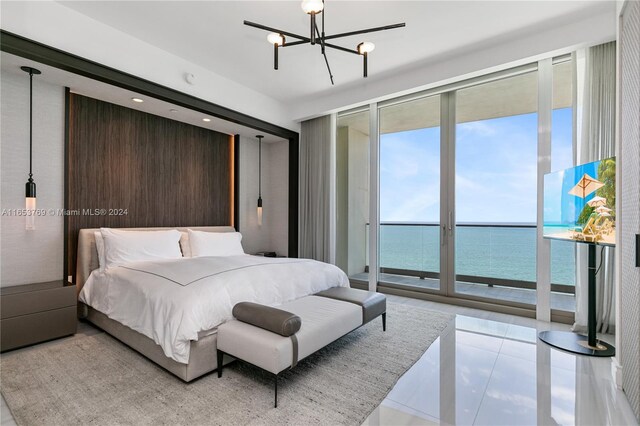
(98, 380)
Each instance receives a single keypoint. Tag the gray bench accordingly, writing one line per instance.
(275, 339)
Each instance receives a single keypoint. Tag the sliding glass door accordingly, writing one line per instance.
(439, 190)
(496, 147)
(410, 193)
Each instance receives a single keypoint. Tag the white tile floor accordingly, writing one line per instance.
(489, 369)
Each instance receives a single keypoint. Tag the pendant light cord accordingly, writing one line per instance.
(260, 168)
(30, 126)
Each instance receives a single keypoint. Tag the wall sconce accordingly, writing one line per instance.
(30, 192)
(259, 179)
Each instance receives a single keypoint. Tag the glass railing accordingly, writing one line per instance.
(492, 254)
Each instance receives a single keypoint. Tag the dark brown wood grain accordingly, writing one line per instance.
(162, 172)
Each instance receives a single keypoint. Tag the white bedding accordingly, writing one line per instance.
(171, 301)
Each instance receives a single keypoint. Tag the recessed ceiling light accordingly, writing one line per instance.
(206, 119)
(173, 110)
(137, 100)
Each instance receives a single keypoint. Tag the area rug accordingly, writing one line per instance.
(98, 380)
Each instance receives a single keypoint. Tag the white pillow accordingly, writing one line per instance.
(135, 246)
(215, 243)
(184, 244)
(102, 259)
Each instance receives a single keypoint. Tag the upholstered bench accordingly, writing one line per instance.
(373, 304)
(275, 339)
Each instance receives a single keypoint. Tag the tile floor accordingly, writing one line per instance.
(488, 369)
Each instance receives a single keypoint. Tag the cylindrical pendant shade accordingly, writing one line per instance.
(259, 211)
(30, 206)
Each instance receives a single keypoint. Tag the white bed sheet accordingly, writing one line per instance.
(171, 301)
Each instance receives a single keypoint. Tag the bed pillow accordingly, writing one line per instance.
(122, 247)
(102, 259)
(184, 244)
(215, 243)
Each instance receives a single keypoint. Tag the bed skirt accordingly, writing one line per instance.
(202, 355)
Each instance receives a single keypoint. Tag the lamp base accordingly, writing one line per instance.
(576, 343)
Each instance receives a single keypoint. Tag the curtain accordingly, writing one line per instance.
(595, 133)
(315, 145)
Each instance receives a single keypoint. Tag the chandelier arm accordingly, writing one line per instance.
(323, 51)
(326, 60)
(276, 30)
(322, 43)
(294, 43)
(344, 49)
(368, 30)
(324, 12)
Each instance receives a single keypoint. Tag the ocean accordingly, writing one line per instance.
(497, 252)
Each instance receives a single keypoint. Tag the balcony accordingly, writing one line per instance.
(493, 261)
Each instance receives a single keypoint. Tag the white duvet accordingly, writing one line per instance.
(172, 301)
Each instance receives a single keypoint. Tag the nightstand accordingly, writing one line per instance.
(34, 313)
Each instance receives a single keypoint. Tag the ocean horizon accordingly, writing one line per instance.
(495, 250)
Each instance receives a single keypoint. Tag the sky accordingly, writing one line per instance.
(496, 166)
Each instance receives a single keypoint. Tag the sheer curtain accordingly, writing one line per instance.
(595, 133)
(315, 146)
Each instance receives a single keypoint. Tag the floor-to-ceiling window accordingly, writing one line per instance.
(563, 253)
(456, 171)
(496, 142)
(410, 193)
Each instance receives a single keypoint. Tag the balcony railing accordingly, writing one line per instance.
(499, 254)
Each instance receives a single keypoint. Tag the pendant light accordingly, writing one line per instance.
(259, 179)
(30, 195)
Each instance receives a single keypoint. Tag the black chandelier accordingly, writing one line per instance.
(317, 36)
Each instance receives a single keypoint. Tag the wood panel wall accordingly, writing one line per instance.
(163, 172)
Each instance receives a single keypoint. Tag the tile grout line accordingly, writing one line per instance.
(484, 392)
(430, 417)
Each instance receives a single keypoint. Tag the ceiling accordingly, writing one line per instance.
(211, 34)
(116, 95)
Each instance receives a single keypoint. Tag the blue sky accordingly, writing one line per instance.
(496, 162)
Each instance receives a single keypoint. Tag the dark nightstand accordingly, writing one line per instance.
(34, 313)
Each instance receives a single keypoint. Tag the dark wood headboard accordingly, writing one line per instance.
(125, 168)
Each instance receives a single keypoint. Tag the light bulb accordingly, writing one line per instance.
(259, 216)
(366, 47)
(312, 6)
(275, 38)
(30, 205)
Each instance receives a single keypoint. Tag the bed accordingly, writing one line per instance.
(169, 311)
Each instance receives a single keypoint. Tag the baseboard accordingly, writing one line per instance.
(467, 303)
(616, 372)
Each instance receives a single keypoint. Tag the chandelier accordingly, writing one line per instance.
(317, 36)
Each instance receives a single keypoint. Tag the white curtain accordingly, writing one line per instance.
(315, 146)
(595, 137)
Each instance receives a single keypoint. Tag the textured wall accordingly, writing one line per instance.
(31, 256)
(629, 211)
(273, 234)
